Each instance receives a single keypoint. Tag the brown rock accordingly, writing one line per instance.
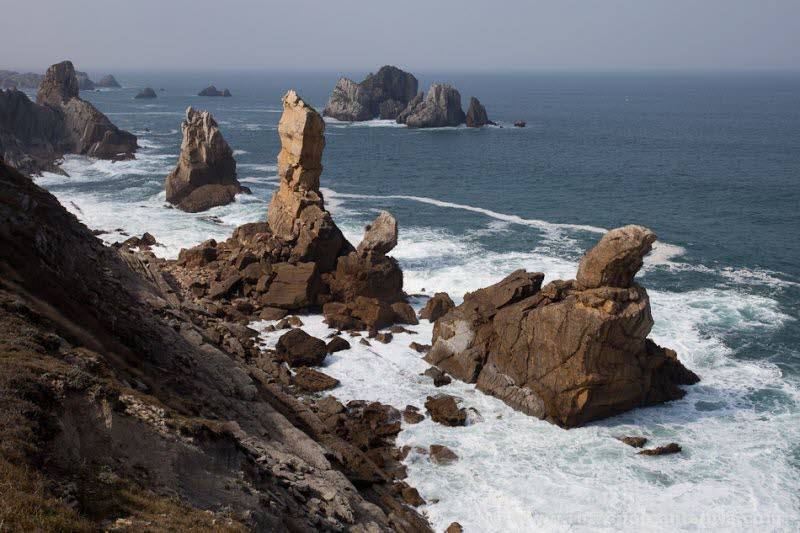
(224, 288)
(294, 321)
(380, 236)
(437, 307)
(411, 496)
(404, 313)
(298, 348)
(412, 415)
(562, 353)
(206, 172)
(442, 455)
(199, 256)
(672, 447)
(365, 342)
(421, 348)
(337, 344)
(272, 313)
(313, 381)
(439, 378)
(444, 410)
(362, 313)
(636, 442)
(384, 337)
(293, 287)
(455, 527)
(370, 276)
(616, 259)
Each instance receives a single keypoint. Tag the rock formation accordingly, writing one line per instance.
(84, 83)
(440, 107)
(14, 80)
(213, 91)
(382, 94)
(108, 81)
(570, 352)
(206, 173)
(127, 406)
(476, 114)
(30, 134)
(147, 92)
(519, 123)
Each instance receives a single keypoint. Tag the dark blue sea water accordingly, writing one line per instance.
(710, 162)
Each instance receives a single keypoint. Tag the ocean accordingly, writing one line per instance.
(710, 162)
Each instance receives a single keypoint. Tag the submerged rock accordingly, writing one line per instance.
(441, 107)
(147, 92)
(382, 94)
(205, 176)
(476, 114)
(563, 352)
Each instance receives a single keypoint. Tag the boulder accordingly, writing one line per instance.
(372, 276)
(108, 81)
(437, 307)
(562, 352)
(337, 344)
(205, 175)
(439, 378)
(444, 410)
(296, 212)
(145, 93)
(312, 380)
(411, 415)
(454, 527)
(476, 114)
(380, 236)
(83, 129)
(359, 314)
(383, 94)
(404, 313)
(636, 442)
(672, 447)
(441, 107)
(616, 259)
(294, 286)
(298, 348)
(442, 455)
(213, 91)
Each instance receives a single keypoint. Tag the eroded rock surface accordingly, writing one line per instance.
(383, 94)
(564, 352)
(476, 114)
(440, 107)
(205, 176)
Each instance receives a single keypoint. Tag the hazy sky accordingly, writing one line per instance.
(427, 35)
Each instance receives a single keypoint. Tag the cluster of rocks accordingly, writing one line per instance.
(205, 175)
(213, 91)
(10, 79)
(571, 351)
(391, 93)
(146, 93)
(33, 136)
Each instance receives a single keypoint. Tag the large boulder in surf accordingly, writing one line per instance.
(108, 81)
(205, 176)
(564, 352)
(382, 94)
(441, 107)
(476, 114)
(84, 129)
(297, 212)
(380, 236)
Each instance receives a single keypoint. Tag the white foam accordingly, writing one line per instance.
(240, 152)
(374, 123)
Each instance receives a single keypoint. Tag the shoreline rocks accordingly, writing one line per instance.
(205, 175)
(569, 352)
(380, 95)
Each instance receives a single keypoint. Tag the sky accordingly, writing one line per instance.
(461, 35)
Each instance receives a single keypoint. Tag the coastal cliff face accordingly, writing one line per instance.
(571, 351)
(30, 134)
(382, 94)
(206, 172)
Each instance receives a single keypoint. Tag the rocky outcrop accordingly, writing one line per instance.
(441, 107)
(476, 114)
(213, 91)
(30, 134)
(569, 352)
(109, 82)
(437, 307)
(10, 79)
(205, 176)
(84, 82)
(382, 94)
(519, 123)
(145, 93)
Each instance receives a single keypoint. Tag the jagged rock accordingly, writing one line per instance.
(441, 107)
(411, 415)
(147, 92)
(442, 455)
(84, 83)
(380, 236)
(454, 527)
(359, 314)
(337, 344)
(213, 91)
(293, 287)
(205, 176)
(384, 337)
(437, 307)
(296, 212)
(404, 313)
(563, 353)
(198, 256)
(383, 94)
(519, 124)
(108, 81)
(476, 114)
(672, 447)
(420, 348)
(313, 381)
(298, 348)
(636, 442)
(439, 378)
(14, 80)
(30, 134)
(413, 106)
(616, 259)
(444, 410)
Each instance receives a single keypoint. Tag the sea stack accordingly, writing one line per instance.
(440, 107)
(569, 352)
(213, 91)
(147, 92)
(476, 114)
(380, 95)
(85, 129)
(206, 173)
(84, 82)
(109, 82)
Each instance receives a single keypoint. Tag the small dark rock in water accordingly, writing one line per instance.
(365, 342)
(421, 348)
(213, 91)
(442, 455)
(97, 232)
(455, 527)
(520, 123)
(636, 442)
(670, 448)
(410, 495)
(385, 337)
(298, 348)
(147, 92)
(412, 415)
(444, 410)
(337, 344)
(439, 378)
